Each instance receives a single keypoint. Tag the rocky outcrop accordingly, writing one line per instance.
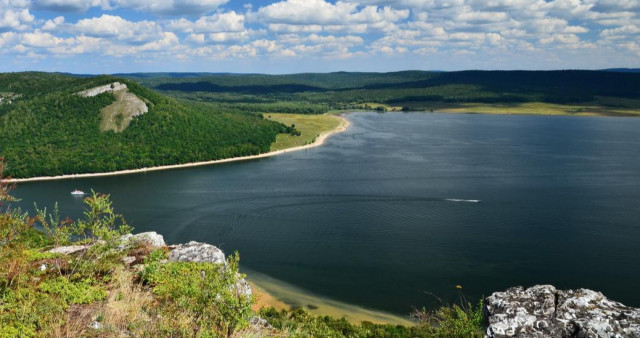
(197, 252)
(191, 252)
(68, 250)
(102, 89)
(151, 238)
(543, 311)
(202, 252)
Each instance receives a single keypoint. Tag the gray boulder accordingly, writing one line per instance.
(243, 288)
(150, 238)
(197, 252)
(68, 250)
(207, 253)
(543, 311)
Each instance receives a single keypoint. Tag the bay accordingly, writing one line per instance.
(401, 208)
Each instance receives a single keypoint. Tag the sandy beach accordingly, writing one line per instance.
(271, 292)
(318, 142)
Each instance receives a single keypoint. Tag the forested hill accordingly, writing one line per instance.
(317, 93)
(46, 128)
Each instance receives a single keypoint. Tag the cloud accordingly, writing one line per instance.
(317, 15)
(316, 39)
(7, 39)
(606, 6)
(39, 39)
(544, 32)
(289, 28)
(68, 5)
(164, 7)
(53, 24)
(14, 15)
(171, 7)
(196, 38)
(224, 37)
(220, 22)
(620, 32)
(306, 12)
(110, 26)
(482, 17)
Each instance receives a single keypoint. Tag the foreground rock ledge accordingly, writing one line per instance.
(543, 311)
(195, 252)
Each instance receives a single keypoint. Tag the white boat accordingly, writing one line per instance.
(77, 192)
(461, 200)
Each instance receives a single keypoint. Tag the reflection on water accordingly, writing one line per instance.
(382, 216)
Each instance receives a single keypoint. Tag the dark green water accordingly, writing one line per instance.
(370, 218)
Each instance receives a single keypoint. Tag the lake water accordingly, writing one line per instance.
(383, 215)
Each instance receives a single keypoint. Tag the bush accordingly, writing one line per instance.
(84, 291)
(205, 291)
(464, 320)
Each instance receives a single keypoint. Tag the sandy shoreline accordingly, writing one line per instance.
(271, 292)
(318, 142)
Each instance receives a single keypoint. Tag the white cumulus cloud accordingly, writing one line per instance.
(171, 7)
(14, 15)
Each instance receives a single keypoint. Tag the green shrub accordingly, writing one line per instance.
(464, 320)
(100, 222)
(27, 312)
(84, 291)
(34, 255)
(208, 290)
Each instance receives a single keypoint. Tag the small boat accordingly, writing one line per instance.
(461, 200)
(77, 192)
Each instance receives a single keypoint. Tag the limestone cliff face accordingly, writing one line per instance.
(103, 89)
(118, 115)
(543, 311)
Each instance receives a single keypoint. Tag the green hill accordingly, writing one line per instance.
(48, 129)
(600, 92)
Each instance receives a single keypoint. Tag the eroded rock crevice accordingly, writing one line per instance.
(543, 311)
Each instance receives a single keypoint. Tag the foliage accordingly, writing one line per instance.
(38, 288)
(209, 290)
(50, 131)
(306, 128)
(299, 323)
(101, 222)
(82, 292)
(13, 223)
(319, 93)
(47, 130)
(26, 312)
(457, 320)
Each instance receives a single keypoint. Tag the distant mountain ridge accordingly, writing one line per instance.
(623, 70)
(346, 90)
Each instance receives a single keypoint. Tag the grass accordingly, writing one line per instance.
(602, 106)
(379, 106)
(310, 127)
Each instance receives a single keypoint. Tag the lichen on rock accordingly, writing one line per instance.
(150, 238)
(197, 252)
(543, 311)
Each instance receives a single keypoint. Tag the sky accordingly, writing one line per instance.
(292, 36)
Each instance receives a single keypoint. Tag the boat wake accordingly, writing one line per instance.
(461, 200)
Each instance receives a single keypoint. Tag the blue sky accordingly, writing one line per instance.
(260, 36)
